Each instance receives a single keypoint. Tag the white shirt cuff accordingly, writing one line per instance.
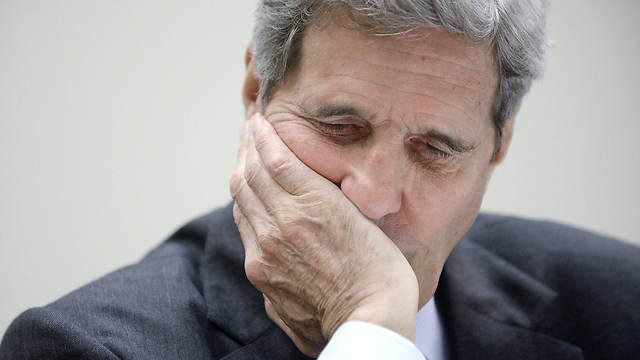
(362, 340)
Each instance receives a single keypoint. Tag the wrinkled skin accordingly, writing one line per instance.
(292, 253)
(370, 166)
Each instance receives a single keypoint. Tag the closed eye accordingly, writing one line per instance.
(341, 132)
(336, 128)
(419, 145)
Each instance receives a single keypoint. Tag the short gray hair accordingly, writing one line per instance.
(516, 29)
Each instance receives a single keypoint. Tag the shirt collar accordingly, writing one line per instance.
(430, 333)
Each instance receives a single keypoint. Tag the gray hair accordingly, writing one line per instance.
(516, 29)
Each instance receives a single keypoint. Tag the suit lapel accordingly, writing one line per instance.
(234, 305)
(274, 344)
(491, 309)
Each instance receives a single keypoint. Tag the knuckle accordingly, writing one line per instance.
(280, 165)
(255, 274)
(269, 248)
(251, 171)
(260, 140)
(236, 183)
(275, 158)
(237, 213)
(238, 216)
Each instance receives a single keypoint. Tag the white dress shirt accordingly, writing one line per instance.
(362, 340)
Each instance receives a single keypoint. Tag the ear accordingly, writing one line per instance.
(507, 134)
(251, 88)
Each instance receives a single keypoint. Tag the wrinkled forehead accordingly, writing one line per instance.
(448, 57)
(330, 17)
(412, 77)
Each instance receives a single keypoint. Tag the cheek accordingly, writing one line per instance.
(320, 155)
(441, 212)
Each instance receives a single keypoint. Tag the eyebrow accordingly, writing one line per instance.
(327, 110)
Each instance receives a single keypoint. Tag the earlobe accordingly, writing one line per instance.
(251, 88)
(507, 134)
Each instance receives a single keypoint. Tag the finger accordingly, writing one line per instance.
(249, 214)
(248, 203)
(247, 234)
(253, 254)
(258, 177)
(254, 264)
(251, 207)
(237, 177)
(281, 163)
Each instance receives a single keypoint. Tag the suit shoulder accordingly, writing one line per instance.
(43, 333)
(156, 304)
(589, 282)
(508, 235)
(551, 252)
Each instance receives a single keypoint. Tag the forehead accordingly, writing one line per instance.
(427, 71)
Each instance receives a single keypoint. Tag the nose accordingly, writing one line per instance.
(374, 185)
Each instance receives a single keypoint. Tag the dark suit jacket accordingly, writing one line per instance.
(511, 289)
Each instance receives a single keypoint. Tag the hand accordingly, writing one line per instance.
(318, 261)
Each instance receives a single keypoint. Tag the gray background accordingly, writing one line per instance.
(119, 122)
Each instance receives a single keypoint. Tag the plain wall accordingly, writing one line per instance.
(119, 121)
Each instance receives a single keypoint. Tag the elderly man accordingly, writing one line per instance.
(374, 127)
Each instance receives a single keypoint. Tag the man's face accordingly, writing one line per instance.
(402, 126)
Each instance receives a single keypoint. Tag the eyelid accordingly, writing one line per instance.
(434, 144)
(341, 132)
(341, 120)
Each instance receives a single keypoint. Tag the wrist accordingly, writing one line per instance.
(394, 306)
(398, 314)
